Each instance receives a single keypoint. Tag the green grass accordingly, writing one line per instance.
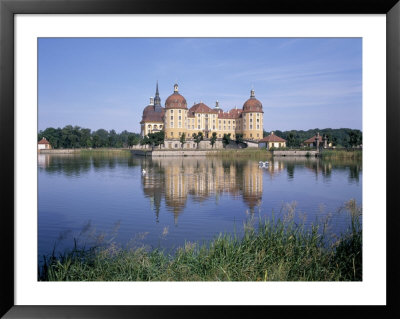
(278, 250)
(342, 154)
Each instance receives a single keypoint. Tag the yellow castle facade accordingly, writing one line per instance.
(176, 119)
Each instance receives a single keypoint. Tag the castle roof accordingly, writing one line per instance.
(272, 138)
(43, 141)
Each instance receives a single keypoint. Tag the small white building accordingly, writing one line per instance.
(44, 144)
(272, 141)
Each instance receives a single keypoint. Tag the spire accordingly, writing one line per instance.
(176, 88)
(157, 100)
(252, 95)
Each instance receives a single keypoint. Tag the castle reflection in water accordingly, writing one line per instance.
(176, 179)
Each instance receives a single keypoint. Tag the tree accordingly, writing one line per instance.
(213, 139)
(182, 139)
(155, 139)
(226, 139)
(133, 139)
(291, 140)
(198, 138)
(355, 138)
(239, 138)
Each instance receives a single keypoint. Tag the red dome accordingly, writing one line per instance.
(252, 104)
(150, 115)
(176, 101)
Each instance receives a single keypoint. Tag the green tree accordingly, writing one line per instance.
(197, 138)
(239, 138)
(226, 139)
(213, 139)
(291, 141)
(182, 139)
(355, 138)
(133, 139)
(155, 139)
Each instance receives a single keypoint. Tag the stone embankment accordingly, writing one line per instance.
(59, 151)
(162, 153)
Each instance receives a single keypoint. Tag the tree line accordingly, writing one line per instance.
(343, 137)
(79, 137)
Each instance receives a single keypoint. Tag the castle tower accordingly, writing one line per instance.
(157, 101)
(175, 117)
(252, 118)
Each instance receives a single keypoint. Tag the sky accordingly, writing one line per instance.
(302, 83)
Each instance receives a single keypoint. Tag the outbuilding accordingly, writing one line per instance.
(272, 141)
(44, 144)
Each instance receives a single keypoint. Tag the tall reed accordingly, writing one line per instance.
(276, 249)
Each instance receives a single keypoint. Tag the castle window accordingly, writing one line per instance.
(179, 117)
(219, 135)
(251, 120)
(251, 127)
(224, 128)
(172, 111)
(180, 124)
(172, 118)
(251, 135)
(258, 120)
(213, 127)
(180, 110)
(198, 127)
(258, 127)
(258, 114)
(172, 134)
(229, 127)
(192, 127)
(258, 135)
(229, 122)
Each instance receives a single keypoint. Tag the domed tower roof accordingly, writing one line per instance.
(175, 100)
(151, 115)
(252, 104)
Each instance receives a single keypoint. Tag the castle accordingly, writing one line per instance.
(175, 119)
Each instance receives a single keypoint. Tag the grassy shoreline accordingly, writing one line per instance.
(342, 154)
(278, 250)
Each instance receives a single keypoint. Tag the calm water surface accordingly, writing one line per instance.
(100, 199)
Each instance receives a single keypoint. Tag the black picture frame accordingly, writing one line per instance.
(8, 8)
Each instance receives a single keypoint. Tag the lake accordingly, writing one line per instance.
(97, 199)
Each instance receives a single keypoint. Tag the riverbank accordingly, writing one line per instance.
(85, 151)
(278, 250)
(341, 154)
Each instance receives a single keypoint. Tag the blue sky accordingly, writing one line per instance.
(303, 83)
